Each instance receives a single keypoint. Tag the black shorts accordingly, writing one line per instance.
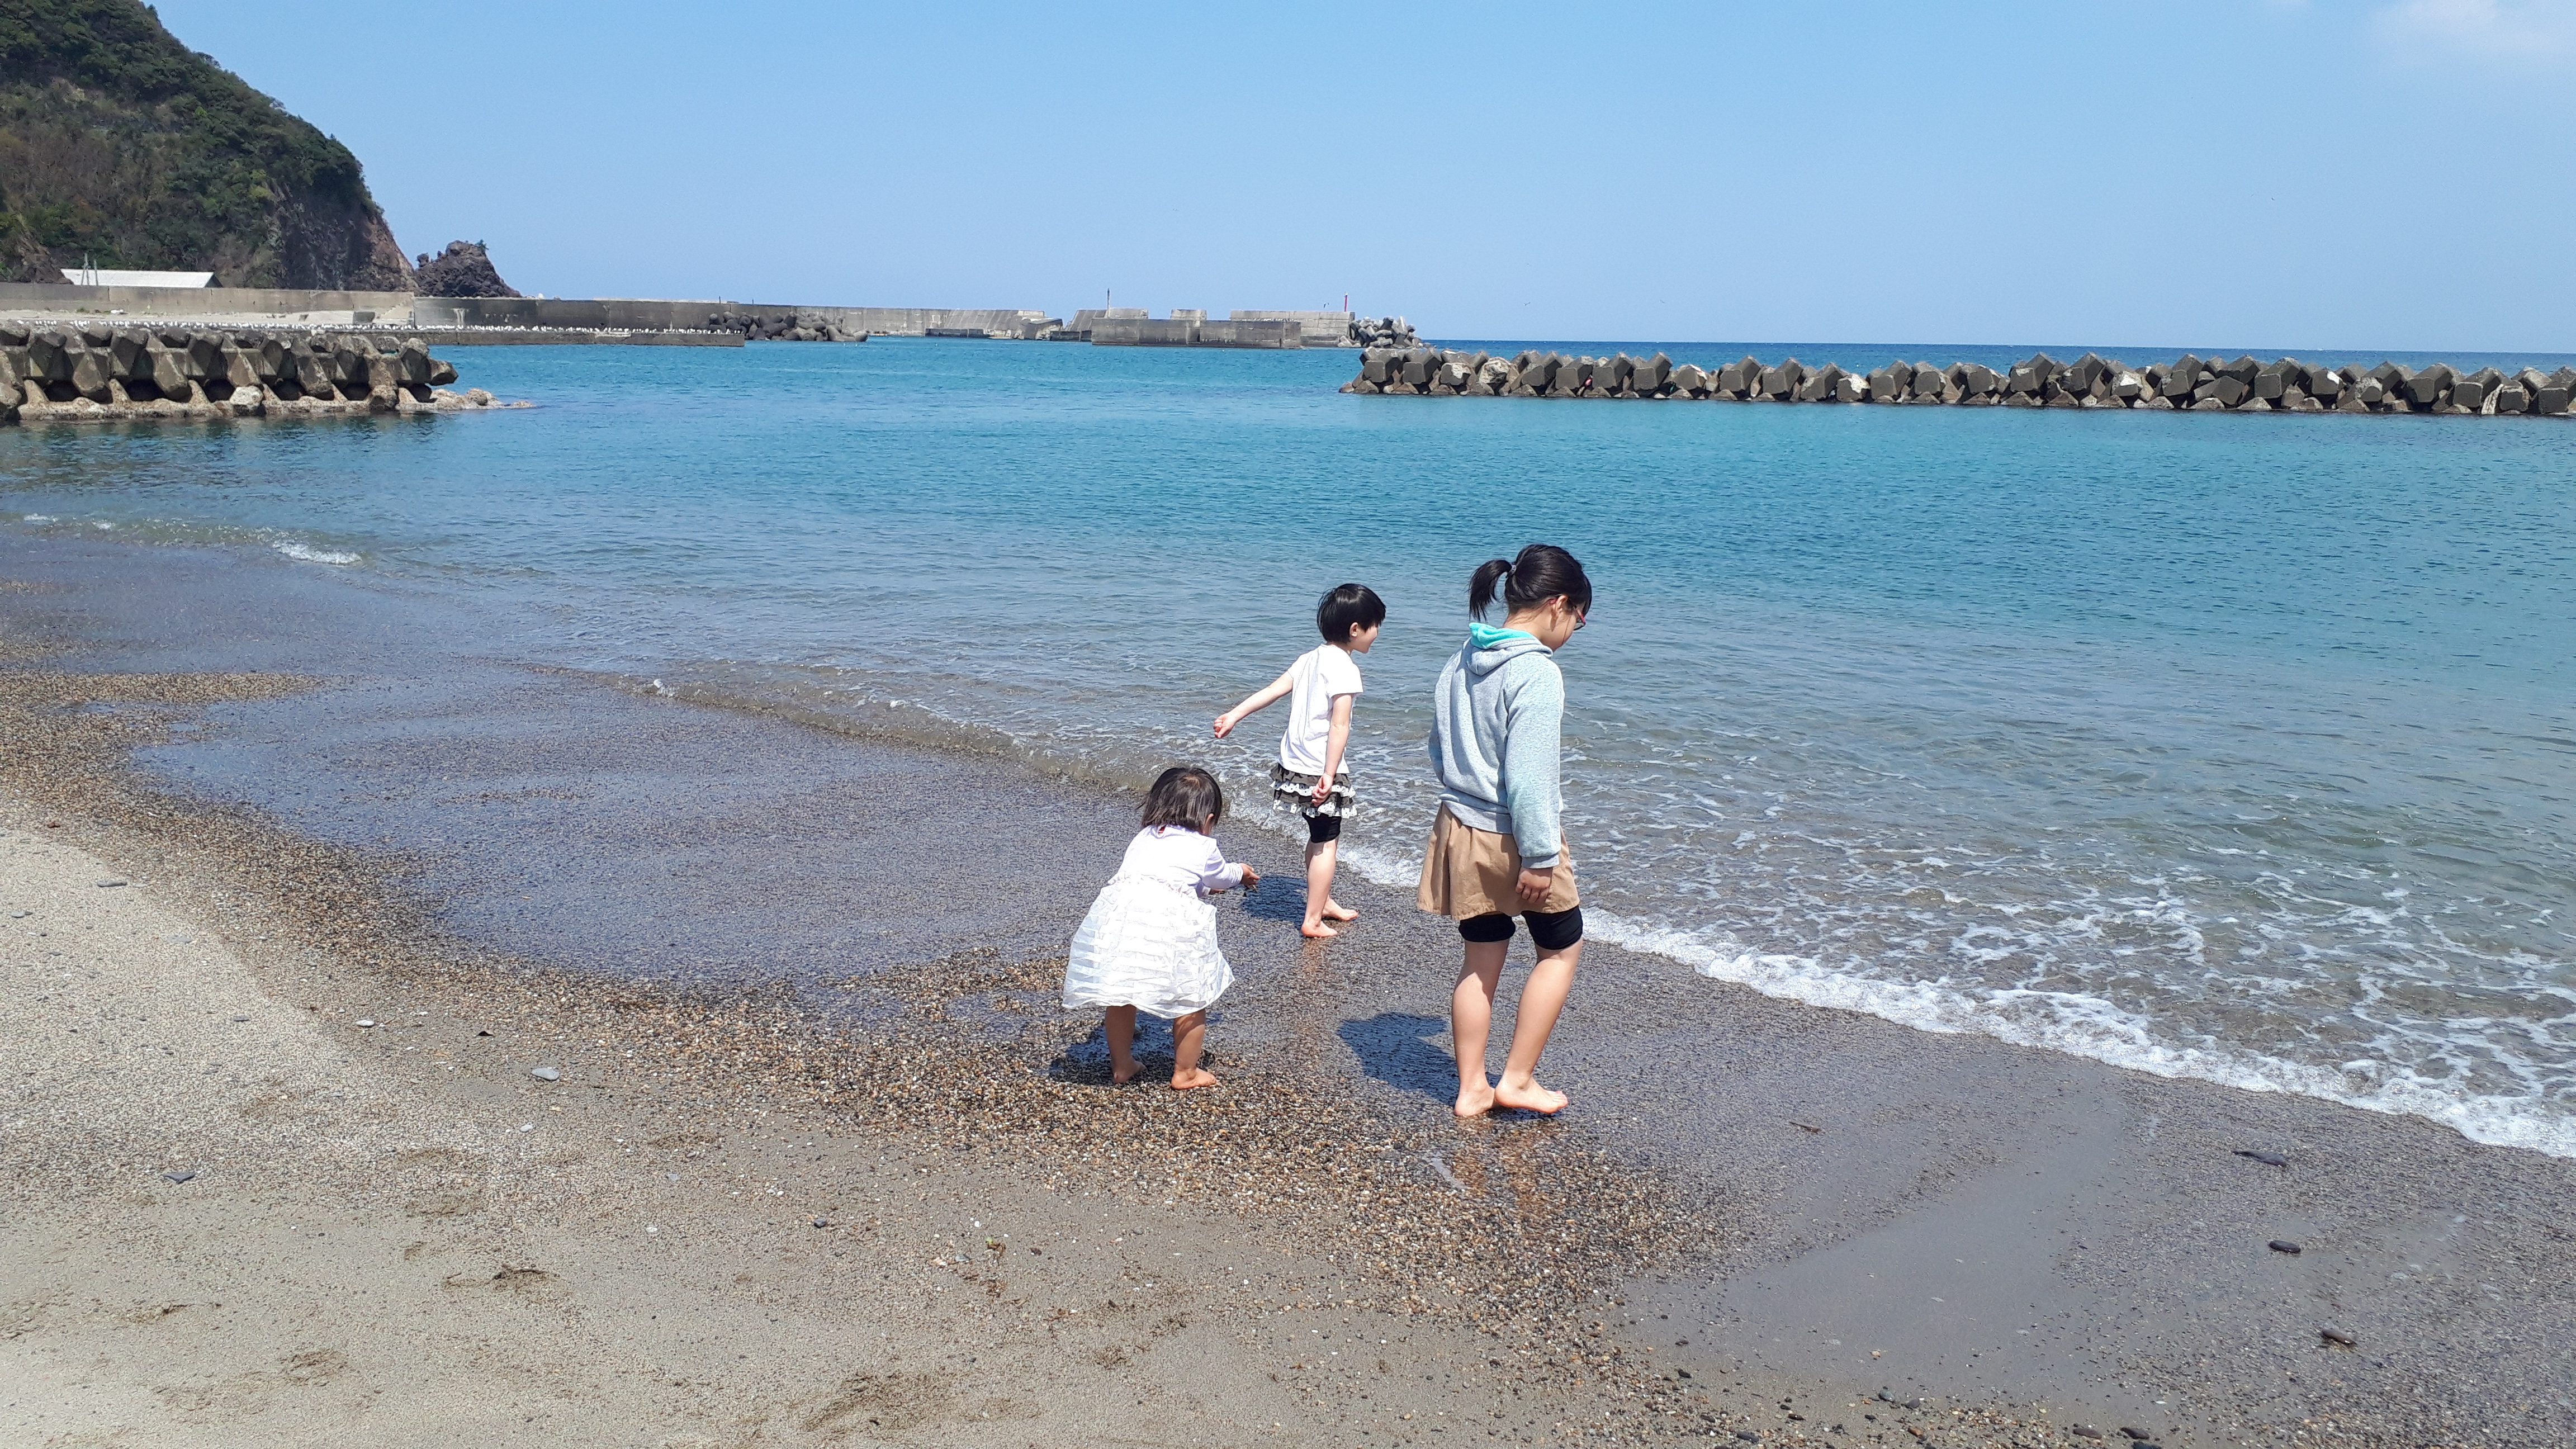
(1550, 930)
(1321, 829)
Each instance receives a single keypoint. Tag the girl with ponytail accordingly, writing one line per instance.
(1497, 850)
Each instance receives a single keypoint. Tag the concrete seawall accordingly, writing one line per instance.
(96, 373)
(684, 322)
(2244, 384)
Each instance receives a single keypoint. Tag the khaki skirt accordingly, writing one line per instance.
(1468, 873)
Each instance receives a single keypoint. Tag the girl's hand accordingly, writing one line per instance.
(1323, 790)
(1533, 885)
(1224, 725)
(1251, 877)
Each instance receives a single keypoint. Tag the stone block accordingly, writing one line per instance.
(92, 369)
(2322, 383)
(1892, 383)
(1540, 372)
(2275, 378)
(49, 356)
(2158, 403)
(1651, 375)
(2224, 389)
(2510, 398)
(246, 402)
(127, 348)
(1610, 375)
(1688, 381)
(1850, 389)
(2429, 387)
(311, 374)
(1975, 379)
(1421, 365)
(2243, 368)
(1376, 365)
(170, 371)
(2368, 392)
(2472, 391)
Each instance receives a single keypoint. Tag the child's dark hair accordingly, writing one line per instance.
(1352, 606)
(1542, 572)
(1184, 795)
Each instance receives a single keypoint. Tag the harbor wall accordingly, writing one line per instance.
(95, 372)
(2189, 383)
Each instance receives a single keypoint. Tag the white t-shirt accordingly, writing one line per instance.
(1322, 676)
(1179, 857)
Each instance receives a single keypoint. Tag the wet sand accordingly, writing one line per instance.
(731, 934)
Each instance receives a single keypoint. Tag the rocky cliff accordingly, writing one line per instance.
(463, 270)
(121, 146)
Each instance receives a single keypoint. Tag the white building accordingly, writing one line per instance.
(101, 277)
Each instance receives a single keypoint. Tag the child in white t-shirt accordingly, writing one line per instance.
(1311, 773)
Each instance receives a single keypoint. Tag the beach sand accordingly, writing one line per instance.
(1758, 1217)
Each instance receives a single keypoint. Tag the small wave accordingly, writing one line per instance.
(38, 518)
(309, 554)
(2071, 1022)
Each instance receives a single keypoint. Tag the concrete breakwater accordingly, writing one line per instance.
(2244, 384)
(97, 373)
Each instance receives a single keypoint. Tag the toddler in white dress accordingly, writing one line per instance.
(1149, 941)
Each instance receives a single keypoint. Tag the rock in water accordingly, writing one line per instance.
(2283, 1245)
(463, 270)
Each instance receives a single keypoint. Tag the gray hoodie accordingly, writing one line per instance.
(1496, 718)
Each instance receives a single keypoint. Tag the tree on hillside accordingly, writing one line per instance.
(121, 146)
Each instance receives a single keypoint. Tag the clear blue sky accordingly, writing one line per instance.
(2367, 175)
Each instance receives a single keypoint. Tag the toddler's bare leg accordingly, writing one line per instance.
(1189, 1038)
(1321, 857)
(1471, 1022)
(1541, 1000)
(1119, 1024)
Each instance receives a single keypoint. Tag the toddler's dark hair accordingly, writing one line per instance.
(1542, 572)
(1348, 607)
(1184, 795)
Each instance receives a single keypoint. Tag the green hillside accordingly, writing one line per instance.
(119, 144)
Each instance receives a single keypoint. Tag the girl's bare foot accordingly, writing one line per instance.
(1528, 1097)
(1336, 911)
(1317, 932)
(1474, 1101)
(1121, 1073)
(1194, 1077)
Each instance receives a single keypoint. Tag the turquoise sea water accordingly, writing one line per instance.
(2222, 746)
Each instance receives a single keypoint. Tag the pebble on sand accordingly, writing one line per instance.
(180, 1176)
(109, 884)
(2284, 1245)
(365, 1023)
(546, 1074)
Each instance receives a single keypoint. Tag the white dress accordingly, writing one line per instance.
(1149, 940)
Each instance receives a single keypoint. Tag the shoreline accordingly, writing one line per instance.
(1836, 1147)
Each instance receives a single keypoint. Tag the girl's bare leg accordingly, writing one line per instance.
(1471, 1022)
(1119, 1024)
(1541, 999)
(1189, 1038)
(1321, 857)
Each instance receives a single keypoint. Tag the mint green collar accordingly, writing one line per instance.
(1486, 636)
